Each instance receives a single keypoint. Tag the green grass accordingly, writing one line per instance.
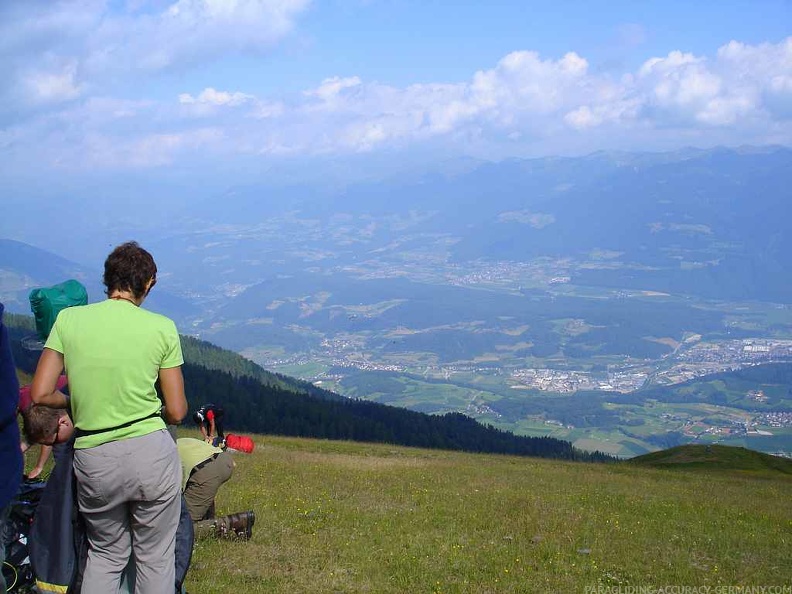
(349, 517)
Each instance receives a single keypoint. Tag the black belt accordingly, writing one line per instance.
(84, 432)
(200, 465)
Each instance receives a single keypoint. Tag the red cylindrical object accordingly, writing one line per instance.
(239, 442)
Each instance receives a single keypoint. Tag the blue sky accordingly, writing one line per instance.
(140, 87)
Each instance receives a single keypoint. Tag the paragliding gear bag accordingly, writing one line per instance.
(46, 303)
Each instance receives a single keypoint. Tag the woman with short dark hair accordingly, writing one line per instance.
(125, 461)
(130, 268)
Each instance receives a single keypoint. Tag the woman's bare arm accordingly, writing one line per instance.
(44, 389)
(172, 385)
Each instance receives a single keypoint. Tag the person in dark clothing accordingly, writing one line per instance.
(10, 452)
(209, 419)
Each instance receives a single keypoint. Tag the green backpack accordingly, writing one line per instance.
(47, 303)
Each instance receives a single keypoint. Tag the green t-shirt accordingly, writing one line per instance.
(192, 452)
(113, 352)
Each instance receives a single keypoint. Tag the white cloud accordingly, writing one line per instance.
(213, 103)
(526, 100)
(523, 82)
(55, 84)
(582, 117)
(268, 109)
(683, 86)
(210, 96)
(192, 29)
(742, 85)
(329, 93)
(53, 50)
(144, 151)
(524, 104)
(762, 72)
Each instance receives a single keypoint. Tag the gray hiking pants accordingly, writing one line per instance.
(128, 494)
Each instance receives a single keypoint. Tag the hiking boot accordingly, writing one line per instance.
(236, 526)
(242, 524)
(233, 527)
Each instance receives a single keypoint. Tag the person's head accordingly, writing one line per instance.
(47, 425)
(130, 268)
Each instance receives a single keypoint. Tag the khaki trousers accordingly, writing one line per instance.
(203, 484)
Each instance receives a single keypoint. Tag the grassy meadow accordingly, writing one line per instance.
(343, 517)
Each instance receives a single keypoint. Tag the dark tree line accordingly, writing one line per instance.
(258, 408)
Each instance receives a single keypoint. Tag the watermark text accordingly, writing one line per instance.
(678, 589)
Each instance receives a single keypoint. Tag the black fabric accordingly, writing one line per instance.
(185, 537)
(57, 537)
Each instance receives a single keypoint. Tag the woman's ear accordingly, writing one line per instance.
(150, 285)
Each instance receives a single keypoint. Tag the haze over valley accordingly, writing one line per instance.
(573, 297)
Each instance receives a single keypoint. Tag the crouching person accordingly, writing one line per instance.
(205, 469)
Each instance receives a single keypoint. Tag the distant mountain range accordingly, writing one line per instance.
(712, 223)
(24, 267)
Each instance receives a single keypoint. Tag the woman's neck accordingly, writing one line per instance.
(125, 296)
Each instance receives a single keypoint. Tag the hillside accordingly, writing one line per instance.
(363, 518)
(713, 457)
(205, 354)
(257, 401)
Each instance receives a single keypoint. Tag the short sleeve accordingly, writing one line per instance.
(54, 341)
(210, 414)
(173, 353)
